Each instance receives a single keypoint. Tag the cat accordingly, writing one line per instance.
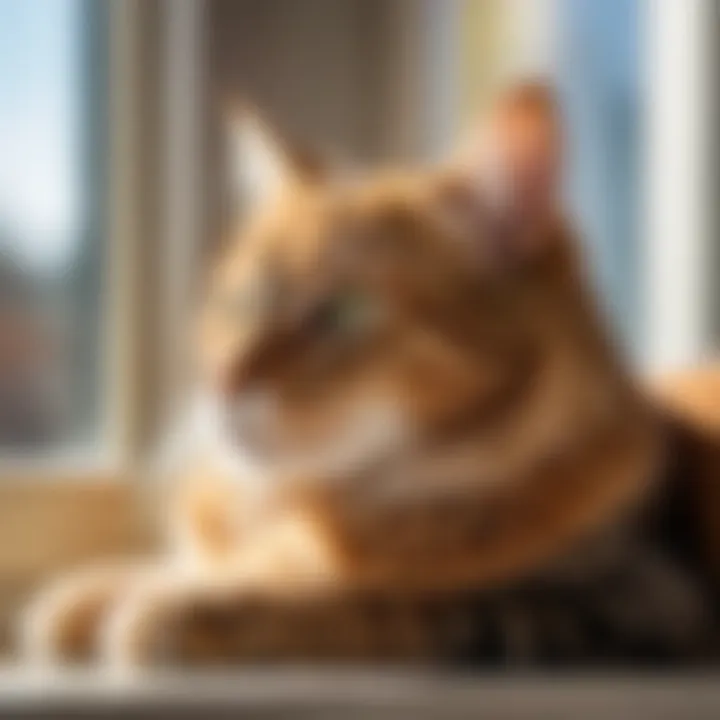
(415, 439)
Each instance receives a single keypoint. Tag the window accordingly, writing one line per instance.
(85, 282)
(597, 70)
(52, 226)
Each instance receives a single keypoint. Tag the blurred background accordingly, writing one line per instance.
(112, 195)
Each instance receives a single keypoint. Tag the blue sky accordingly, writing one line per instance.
(39, 182)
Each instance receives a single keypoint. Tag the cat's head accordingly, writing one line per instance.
(350, 318)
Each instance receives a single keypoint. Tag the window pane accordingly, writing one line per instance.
(51, 224)
(598, 72)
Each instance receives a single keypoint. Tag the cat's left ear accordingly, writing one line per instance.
(261, 163)
(513, 160)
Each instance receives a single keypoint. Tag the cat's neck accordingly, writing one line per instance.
(578, 450)
(557, 415)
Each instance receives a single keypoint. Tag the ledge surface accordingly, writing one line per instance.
(391, 694)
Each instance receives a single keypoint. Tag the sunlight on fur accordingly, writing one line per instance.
(413, 438)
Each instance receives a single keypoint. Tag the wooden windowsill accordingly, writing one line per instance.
(48, 526)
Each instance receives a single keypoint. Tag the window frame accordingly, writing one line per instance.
(677, 252)
(64, 511)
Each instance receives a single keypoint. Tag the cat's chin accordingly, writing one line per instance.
(374, 433)
(323, 465)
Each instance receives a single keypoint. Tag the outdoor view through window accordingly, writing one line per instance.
(51, 231)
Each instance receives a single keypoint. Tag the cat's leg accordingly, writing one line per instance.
(282, 562)
(207, 524)
(62, 622)
(201, 626)
(139, 628)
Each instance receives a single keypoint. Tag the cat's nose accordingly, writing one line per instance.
(252, 408)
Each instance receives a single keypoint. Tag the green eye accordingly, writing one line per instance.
(350, 312)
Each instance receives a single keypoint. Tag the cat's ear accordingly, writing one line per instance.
(514, 157)
(261, 163)
(257, 168)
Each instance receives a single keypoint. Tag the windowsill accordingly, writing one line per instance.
(379, 693)
(51, 472)
(53, 521)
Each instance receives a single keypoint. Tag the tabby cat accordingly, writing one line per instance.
(415, 441)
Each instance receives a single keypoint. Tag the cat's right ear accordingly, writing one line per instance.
(259, 164)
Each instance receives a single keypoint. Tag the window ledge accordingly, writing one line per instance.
(378, 694)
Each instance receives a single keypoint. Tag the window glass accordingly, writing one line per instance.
(52, 189)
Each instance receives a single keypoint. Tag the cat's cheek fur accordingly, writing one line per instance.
(261, 441)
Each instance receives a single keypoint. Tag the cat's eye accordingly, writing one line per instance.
(348, 313)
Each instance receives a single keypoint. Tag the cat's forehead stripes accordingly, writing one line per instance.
(395, 234)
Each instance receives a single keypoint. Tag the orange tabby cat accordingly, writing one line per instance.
(408, 399)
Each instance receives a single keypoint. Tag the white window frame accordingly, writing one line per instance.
(679, 81)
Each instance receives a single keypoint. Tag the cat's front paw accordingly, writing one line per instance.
(138, 630)
(61, 624)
